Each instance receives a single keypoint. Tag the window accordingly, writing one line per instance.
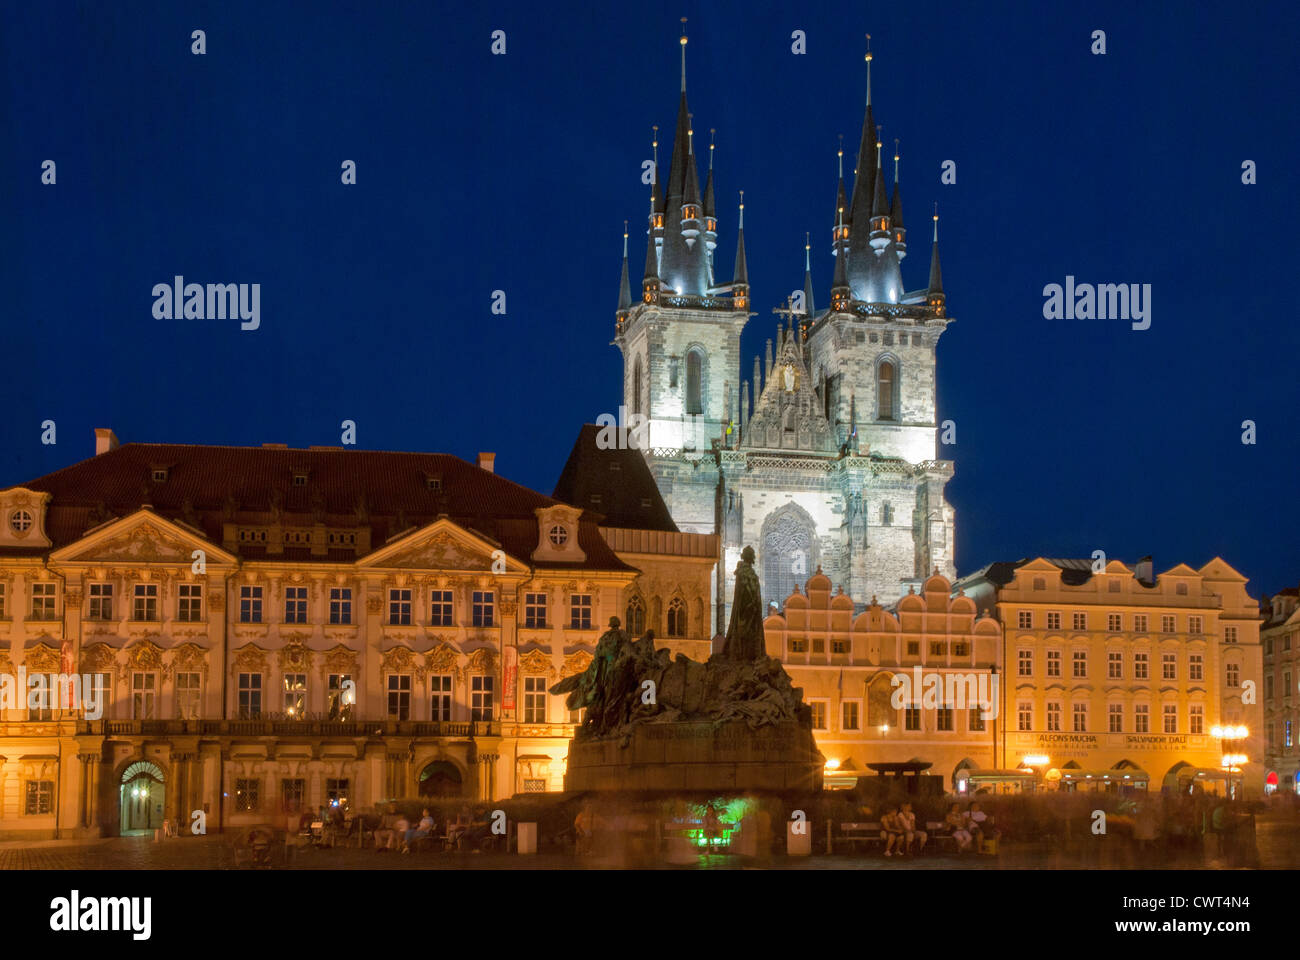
(944, 718)
(481, 687)
(534, 699)
(559, 535)
(1054, 717)
(40, 798)
(1196, 667)
(1080, 621)
(188, 695)
(1286, 683)
(1079, 664)
(483, 608)
(840, 645)
(850, 715)
(295, 695)
(291, 791)
(677, 617)
(1114, 665)
(1024, 716)
(143, 695)
(694, 386)
(912, 718)
(341, 695)
(101, 691)
(1141, 718)
(1026, 619)
(336, 791)
(1268, 686)
(1229, 634)
(1080, 718)
(1268, 646)
(1168, 666)
(399, 696)
(818, 708)
(440, 607)
(1286, 733)
(636, 385)
(145, 605)
(1115, 718)
(101, 602)
(636, 617)
(886, 514)
(885, 391)
(189, 603)
(43, 601)
(535, 612)
(1140, 622)
(1196, 719)
(340, 605)
(399, 607)
(977, 719)
(3, 597)
(246, 800)
(798, 645)
(20, 521)
(1170, 714)
(1053, 663)
(250, 696)
(818, 645)
(1114, 622)
(1040, 583)
(1233, 675)
(250, 604)
(1053, 621)
(1194, 625)
(39, 685)
(1141, 663)
(580, 611)
(295, 604)
(1166, 623)
(913, 648)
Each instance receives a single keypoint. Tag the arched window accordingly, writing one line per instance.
(636, 385)
(886, 514)
(694, 383)
(635, 617)
(885, 383)
(677, 618)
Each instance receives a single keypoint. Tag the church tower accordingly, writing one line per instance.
(825, 458)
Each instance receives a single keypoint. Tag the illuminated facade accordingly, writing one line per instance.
(1280, 638)
(847, 665)
(278, 629)
(826, 456)
(1121, 674)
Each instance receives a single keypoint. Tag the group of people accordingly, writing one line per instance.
(901, 836)
(396, 831)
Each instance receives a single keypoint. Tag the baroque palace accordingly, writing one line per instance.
(274, 630)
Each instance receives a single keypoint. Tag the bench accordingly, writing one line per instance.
(939, 834)
(852, 834)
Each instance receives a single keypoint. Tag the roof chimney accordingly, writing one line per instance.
(105, 440)
(487, 461)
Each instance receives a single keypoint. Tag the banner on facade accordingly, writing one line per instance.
(510, 671)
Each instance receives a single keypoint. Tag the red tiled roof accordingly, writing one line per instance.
(386, 491)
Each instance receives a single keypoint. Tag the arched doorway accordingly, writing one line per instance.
(141, 798)
(440, 779)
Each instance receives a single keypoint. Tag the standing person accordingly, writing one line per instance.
(582, 831)
(907, 824)
(712, 825)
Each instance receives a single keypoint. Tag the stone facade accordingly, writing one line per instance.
(1280, 637)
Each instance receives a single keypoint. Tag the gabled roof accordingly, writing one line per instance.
(629, 496)
(386, 492)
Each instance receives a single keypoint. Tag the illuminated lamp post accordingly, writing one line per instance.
(1232, 762)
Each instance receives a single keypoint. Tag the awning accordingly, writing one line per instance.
(1112, 776)
(1003, 776)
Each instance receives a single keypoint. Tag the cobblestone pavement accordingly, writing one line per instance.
(1278, 840)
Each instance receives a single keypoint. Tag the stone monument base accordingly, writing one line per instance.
(698, 756)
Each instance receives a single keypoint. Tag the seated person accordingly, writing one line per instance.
(890, 831)
(955, 822)
(458, 827)
(980, 825)
(423, 830)
(387, 835)
(906, 821)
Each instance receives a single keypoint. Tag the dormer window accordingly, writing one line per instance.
(300, 478)
(159, 474)
(433, 483)
(20, 521)
(559, 535)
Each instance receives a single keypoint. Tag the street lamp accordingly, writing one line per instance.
(1232, 763)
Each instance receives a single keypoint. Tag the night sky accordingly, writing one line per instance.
(478, 172)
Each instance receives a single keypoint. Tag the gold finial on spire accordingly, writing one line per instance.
(713, 132)
(742, 209)
(896, 159)
(936, 221)
(683, 43)
(840, 154)
(868, 59)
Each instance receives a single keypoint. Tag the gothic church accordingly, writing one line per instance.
(826, 456)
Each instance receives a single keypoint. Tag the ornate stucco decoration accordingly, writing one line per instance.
(249, 658)
(576, 662)
(536, 662)
(42, 658)
(481, 660)
(402, 660)
(294, 657)
(144, 655)
(341, 659)
(442, 659)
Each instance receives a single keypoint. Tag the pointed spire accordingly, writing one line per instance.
(656, 195)
(741, 276)
(807, 276)
(934, 291)
(879, 205)
(863, 182)
(691, 191)
(709, 210)
(651, 260)
(896, 207)
(770, 361)
(624, 287)
(758, 382)
(683, 43)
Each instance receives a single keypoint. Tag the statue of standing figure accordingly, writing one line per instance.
(745, 631)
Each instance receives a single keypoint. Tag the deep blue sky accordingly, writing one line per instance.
(480, 172)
